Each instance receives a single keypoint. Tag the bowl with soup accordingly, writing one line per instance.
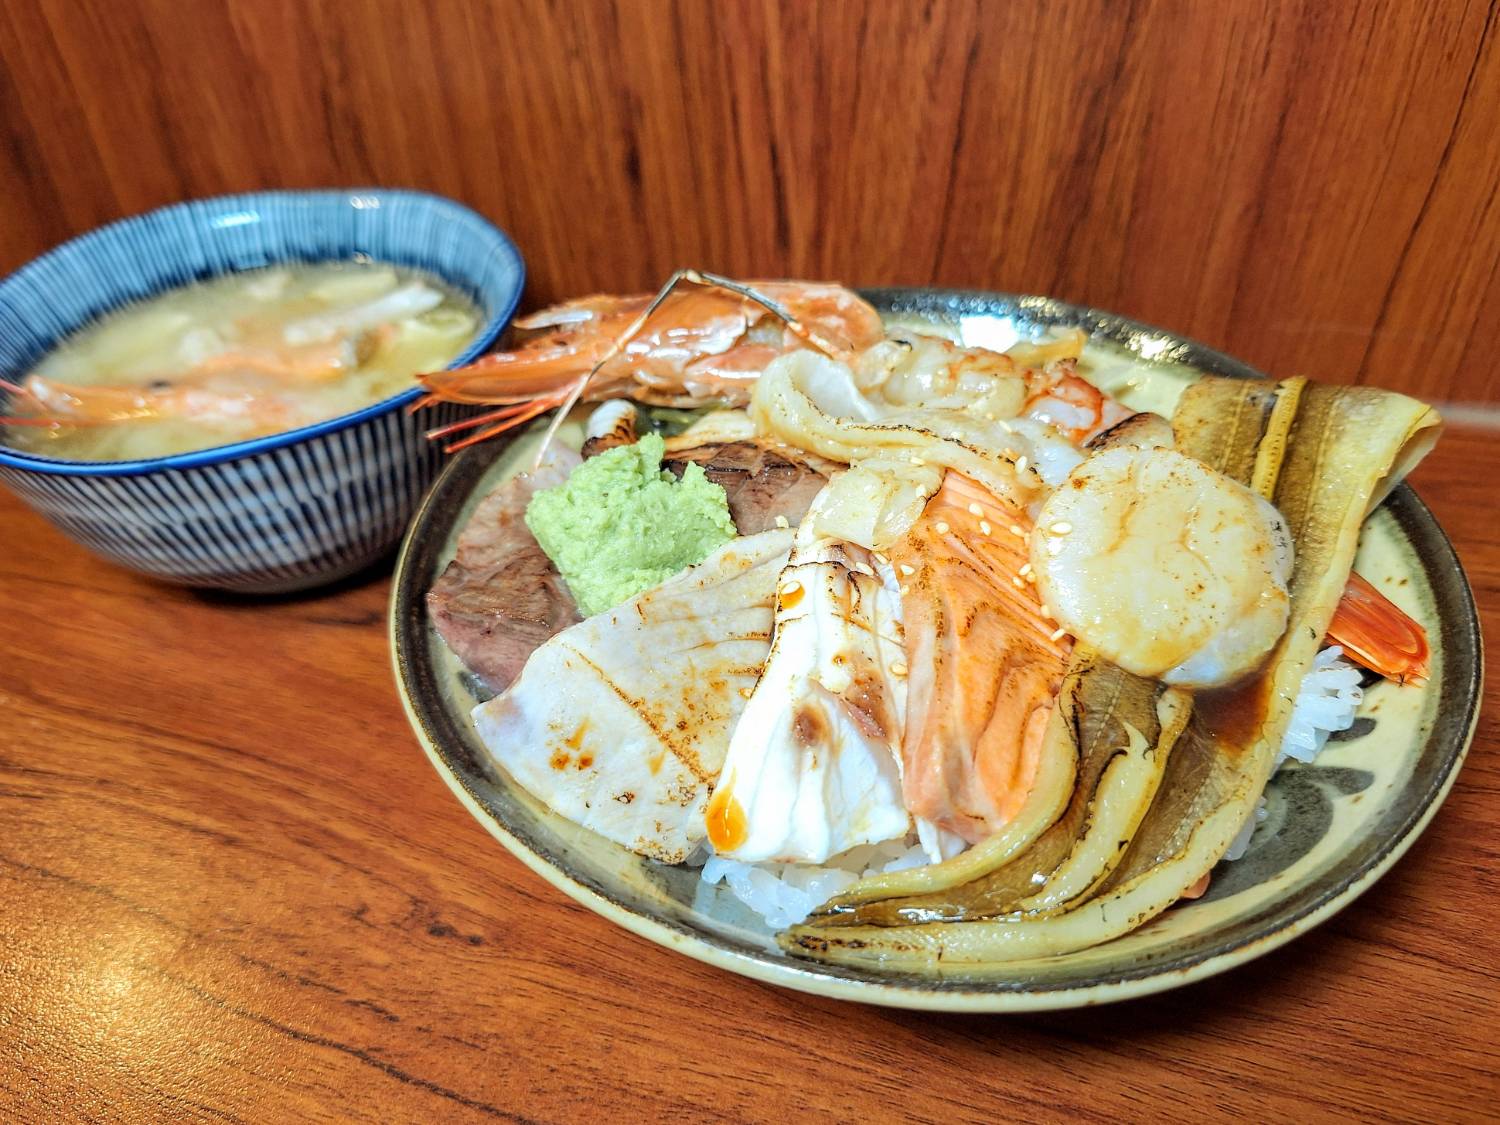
(221, 393)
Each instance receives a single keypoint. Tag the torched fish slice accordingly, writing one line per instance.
(986, 663)
(1118, 767)
(620, 723)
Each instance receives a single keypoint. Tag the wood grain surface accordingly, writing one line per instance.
(234, 889)
(1308, 184)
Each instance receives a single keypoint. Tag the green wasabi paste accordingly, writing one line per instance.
(621, 523)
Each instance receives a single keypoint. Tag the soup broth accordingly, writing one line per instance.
(237, 357)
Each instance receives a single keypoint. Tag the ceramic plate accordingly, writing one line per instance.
(1332, 828)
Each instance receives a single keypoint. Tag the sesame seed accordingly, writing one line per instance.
(908, 570)
(1017, 583)
(863, 568)
(905, 589)
(882, 559)
(1061, 527)
(1021, 464)
(1059, 635)
(918, 461)
(975, 510)
(1046, 610)
(1004, 425)
(984, 527)
(898, 669)
(1025, 569)
(1015, 529)
(942, 527)
(781, 521)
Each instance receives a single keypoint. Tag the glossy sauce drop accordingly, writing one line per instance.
(727, 826)
(1235, 714)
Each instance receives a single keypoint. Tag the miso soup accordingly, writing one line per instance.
(237, 357)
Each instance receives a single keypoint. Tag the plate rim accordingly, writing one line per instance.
(955, 994)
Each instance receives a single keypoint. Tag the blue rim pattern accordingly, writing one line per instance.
(297, 515)
(277, 513)
(139, 257)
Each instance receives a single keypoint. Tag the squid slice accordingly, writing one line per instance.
(813, 767)
(621, 722)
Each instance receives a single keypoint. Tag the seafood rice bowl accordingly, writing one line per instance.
(919, 643)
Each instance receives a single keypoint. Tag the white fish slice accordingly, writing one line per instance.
(621, 722)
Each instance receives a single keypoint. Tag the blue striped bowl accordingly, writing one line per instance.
(278, 513)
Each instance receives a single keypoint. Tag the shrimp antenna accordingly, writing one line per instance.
(693, 277)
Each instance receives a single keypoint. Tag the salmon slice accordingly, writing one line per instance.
(985, 661)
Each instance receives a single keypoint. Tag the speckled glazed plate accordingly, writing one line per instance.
(1333, 828)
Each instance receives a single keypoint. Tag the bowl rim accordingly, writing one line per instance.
(233, 451)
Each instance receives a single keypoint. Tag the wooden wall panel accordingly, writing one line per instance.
(1309, 184)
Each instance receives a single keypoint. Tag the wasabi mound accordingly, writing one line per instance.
(621, 524)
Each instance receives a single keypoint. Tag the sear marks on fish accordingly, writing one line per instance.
(501, 597)
(761, 480)
(621, 722)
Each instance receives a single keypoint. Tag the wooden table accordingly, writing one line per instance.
(234, 888)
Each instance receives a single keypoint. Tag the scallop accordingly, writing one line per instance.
(1166, 567)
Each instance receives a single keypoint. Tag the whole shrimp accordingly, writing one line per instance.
(701, 338)
(243, 387)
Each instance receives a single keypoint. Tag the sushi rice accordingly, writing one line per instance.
(786, 893)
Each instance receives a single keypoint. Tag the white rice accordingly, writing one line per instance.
(786, 893)
(1326, 703)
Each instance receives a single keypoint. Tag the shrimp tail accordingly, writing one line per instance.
(1374, 632)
